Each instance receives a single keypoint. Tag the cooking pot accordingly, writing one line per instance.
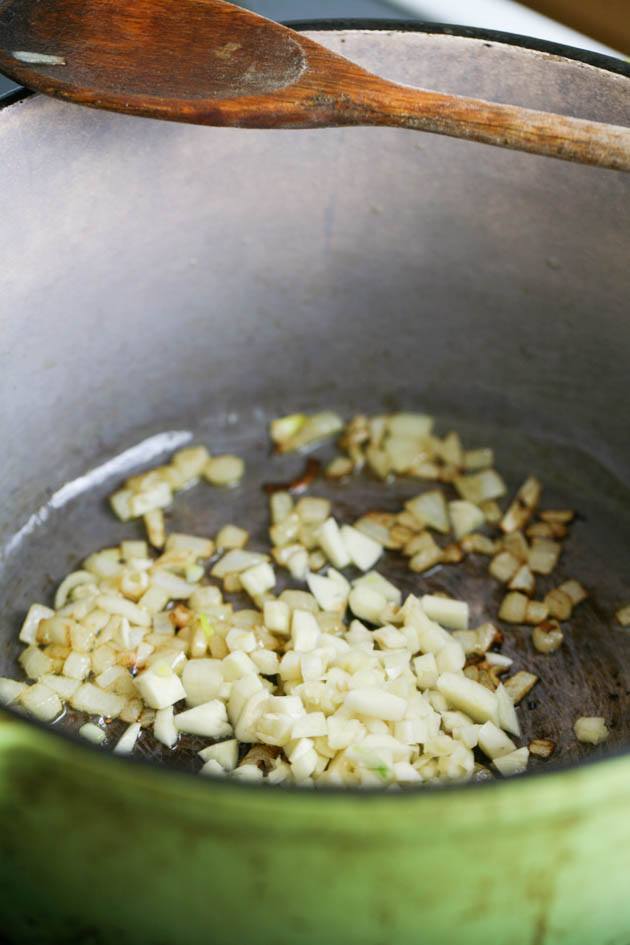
(162, 283)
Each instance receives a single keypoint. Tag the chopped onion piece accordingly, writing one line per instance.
(480, 487)
(333, 545)
(430, 508)
(523, 581)
(559, 604)
(305, 430)
(547, 637)
(236, 561)
(622, 616)
(465, 517)
(468, 696)
(508, 719)
(62, 685)
(543, 555)
(366, 603)
(493, 742)
(591, 729)
(542, 747)
(93, 733)
(160, 689)
(127, 742)
(95, 701)
(224, 470)
(426, 554)
(258, 579)
(36, 612)
(304, 631)
(519, 685)
(375, 704)
(224, 753)
(208, 719)
(447, 612)
(40, 701)
(478, 459)
(513, 608)
(504, 566)
(277, 616)
(364, 551)
(514, 763)
(10, 690)
(328, 593)
(575, 591)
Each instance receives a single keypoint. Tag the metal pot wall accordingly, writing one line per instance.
(162, 281)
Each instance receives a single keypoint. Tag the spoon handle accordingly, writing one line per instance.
(508, 126)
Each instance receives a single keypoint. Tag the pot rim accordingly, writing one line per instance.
(36, 729)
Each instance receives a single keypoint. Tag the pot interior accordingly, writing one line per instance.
(167, 284)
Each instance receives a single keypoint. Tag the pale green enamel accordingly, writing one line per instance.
(97, 845)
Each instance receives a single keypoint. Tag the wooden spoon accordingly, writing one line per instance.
(209, 62)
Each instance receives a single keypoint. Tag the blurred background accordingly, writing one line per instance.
(598, 25)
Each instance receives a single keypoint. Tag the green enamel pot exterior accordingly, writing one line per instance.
(95, 849)
(156, 273)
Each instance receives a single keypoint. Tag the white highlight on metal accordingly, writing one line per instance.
(144, 452)
(38, 59)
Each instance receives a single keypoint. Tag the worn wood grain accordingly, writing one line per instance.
(209, 62)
